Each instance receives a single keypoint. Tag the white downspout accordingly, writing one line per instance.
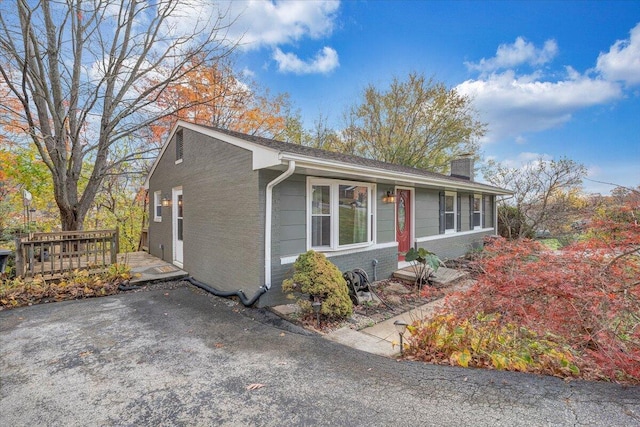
(267, 221)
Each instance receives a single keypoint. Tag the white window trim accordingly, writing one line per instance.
(290, 259)
(334, 201)
(481, 211)
(157, 202)
(455, 212)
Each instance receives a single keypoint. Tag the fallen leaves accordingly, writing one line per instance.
(254, 386)
(74, 285)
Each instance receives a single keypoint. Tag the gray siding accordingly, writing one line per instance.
(289, 234)
(464, 211)
(385, 217)
(427, 212)
(453, 246)
(223, 219)
(288, 228)
(427, 225)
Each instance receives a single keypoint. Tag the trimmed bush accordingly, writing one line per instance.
(322, 281)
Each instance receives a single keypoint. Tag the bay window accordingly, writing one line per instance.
(340, 214)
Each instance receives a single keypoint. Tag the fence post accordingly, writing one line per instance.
(19, 258)
(115, 246)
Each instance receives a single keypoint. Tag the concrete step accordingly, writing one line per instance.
(442, 277)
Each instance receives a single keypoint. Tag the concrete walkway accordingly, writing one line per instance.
(382, 338)
(147, 268)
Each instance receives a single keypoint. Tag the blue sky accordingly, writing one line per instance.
(551, 79)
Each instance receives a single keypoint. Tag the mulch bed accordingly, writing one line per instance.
(392, 297)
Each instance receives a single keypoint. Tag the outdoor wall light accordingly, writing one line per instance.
(166, 202)
(317, 305)
(401, 327)
(390, 197)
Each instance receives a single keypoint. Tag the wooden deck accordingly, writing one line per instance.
(147, 268)
(53, 254)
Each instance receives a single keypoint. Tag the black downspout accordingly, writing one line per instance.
(243, 298)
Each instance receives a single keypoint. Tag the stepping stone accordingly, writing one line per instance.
(448, 276)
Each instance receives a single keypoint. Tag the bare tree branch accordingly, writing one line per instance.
(87, 75)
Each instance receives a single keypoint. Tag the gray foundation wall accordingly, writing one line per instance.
(223, 219)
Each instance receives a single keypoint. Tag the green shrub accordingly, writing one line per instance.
(322, 281)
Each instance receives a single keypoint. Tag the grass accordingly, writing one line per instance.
(551, 243)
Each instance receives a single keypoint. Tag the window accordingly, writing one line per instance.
(477, 211)
(157, 206)
(449, 212)
(320, 215)
(178, 145)
(340, 214)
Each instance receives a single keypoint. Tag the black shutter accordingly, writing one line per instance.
(484, 211)
(459, 213)
(442, 221)
(470, 211)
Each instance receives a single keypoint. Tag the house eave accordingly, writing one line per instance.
(350, 170)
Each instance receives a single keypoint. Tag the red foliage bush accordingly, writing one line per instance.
(588, 294)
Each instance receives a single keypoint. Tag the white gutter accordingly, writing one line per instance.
(267, 221)
(401, 178)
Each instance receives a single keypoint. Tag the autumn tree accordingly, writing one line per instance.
(217, 96)
(417, 122)
(538, 189)
(87, 74)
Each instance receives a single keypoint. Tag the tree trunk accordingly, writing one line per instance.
(70, 219)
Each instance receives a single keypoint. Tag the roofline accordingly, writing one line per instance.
(265, 157)
(384, 174)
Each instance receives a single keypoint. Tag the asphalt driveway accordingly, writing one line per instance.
(182, 357)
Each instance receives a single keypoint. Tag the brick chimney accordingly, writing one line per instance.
(462, 167)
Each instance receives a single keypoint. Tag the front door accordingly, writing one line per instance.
(178, 226)
(403, 222)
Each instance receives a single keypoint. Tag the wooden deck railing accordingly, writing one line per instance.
(50, 254)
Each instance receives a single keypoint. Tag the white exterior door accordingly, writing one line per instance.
(178, 226)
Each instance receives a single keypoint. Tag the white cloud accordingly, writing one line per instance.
(513, 105)
(246, 72)
(267, 23)
(622, 62)
(526, 159)
(518, 53)
(324, 62)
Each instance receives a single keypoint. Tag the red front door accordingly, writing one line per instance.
(403, 222)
